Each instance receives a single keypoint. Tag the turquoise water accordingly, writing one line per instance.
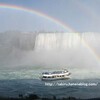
(36, 73)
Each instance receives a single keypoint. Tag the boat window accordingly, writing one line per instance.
(62, 75)
(53, 76)
(49, 77)
(44, 77)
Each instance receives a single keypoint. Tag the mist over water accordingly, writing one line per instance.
(50, 51)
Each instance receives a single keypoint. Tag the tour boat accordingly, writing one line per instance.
(55, 75)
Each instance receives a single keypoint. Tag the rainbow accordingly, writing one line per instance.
(54, 20)
(91, 50)
(36, 12)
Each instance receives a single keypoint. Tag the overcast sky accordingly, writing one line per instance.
(79, 15)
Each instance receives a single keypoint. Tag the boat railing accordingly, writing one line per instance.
(55, 72)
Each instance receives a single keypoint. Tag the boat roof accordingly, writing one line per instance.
(55, 72)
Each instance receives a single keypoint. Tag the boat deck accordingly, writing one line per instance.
(55, 72)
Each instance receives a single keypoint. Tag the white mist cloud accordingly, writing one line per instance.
(24, 51)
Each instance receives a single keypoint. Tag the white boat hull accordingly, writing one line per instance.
(56, 75)
(58, 78)
(52, 79)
